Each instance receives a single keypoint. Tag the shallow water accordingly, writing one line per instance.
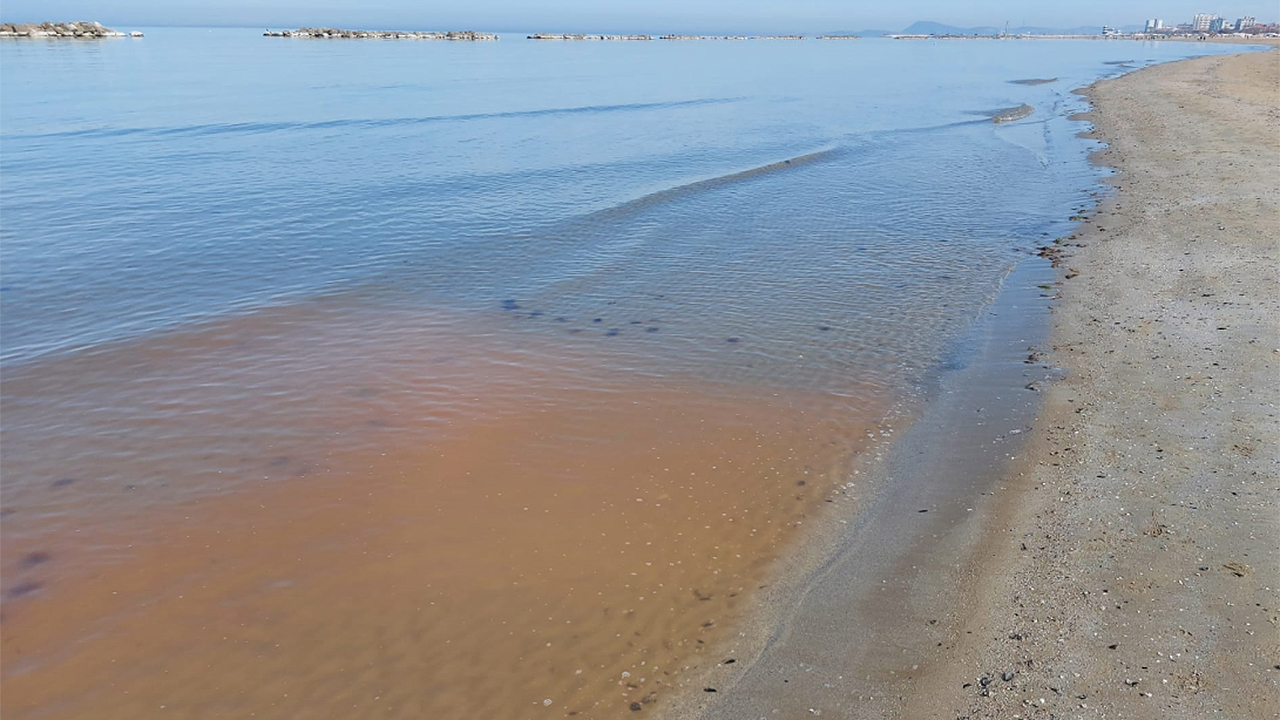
(303, 339)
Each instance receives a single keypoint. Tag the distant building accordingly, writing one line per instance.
(1216, 25)
(1108, 30)
(1201, 23)
(1155, 25)
(1245, 22)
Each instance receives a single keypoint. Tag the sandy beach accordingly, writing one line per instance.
(1111, 551)
(1132, 567)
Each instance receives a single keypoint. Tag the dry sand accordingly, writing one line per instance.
(1133, 568)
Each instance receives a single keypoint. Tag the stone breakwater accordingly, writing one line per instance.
(577, 36)
(73, 30)
(336, 34)
(702, 37)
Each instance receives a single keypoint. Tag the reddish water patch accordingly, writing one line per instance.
(402, 521)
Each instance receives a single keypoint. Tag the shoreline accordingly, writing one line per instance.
(859, 588)
(970, 641)
(1132, 567)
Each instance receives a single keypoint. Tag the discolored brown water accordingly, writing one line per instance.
(280, 515)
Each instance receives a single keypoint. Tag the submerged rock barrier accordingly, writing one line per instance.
(1011, 114)
(336, 34)
(702, 37)
(72, 30)
(578, 36)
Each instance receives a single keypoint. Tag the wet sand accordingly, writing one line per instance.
(1119, 556)
(861, 607)
(1132, 567)
(455, 527)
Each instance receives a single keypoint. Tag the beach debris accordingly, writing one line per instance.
(710, 689)
(636, 707)
(1006, 675)
(730, 661)
(1237, 569)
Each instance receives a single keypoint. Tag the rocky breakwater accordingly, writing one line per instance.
(702, 37)
(336, 34)
(72, 30)
(576, 36)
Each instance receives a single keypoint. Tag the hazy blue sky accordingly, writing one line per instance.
(639, 15)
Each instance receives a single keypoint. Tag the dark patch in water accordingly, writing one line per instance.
(22, 589)
(64, 482)
(36, 558)
(510, 305)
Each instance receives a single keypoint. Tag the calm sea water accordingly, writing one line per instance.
(813, 216)
(152, 184)
(346, 377)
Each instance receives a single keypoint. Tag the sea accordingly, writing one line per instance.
(474, 379)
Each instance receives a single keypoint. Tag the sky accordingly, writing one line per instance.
(627, 15)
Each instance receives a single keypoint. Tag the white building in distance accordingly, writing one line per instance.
(1201, 22)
